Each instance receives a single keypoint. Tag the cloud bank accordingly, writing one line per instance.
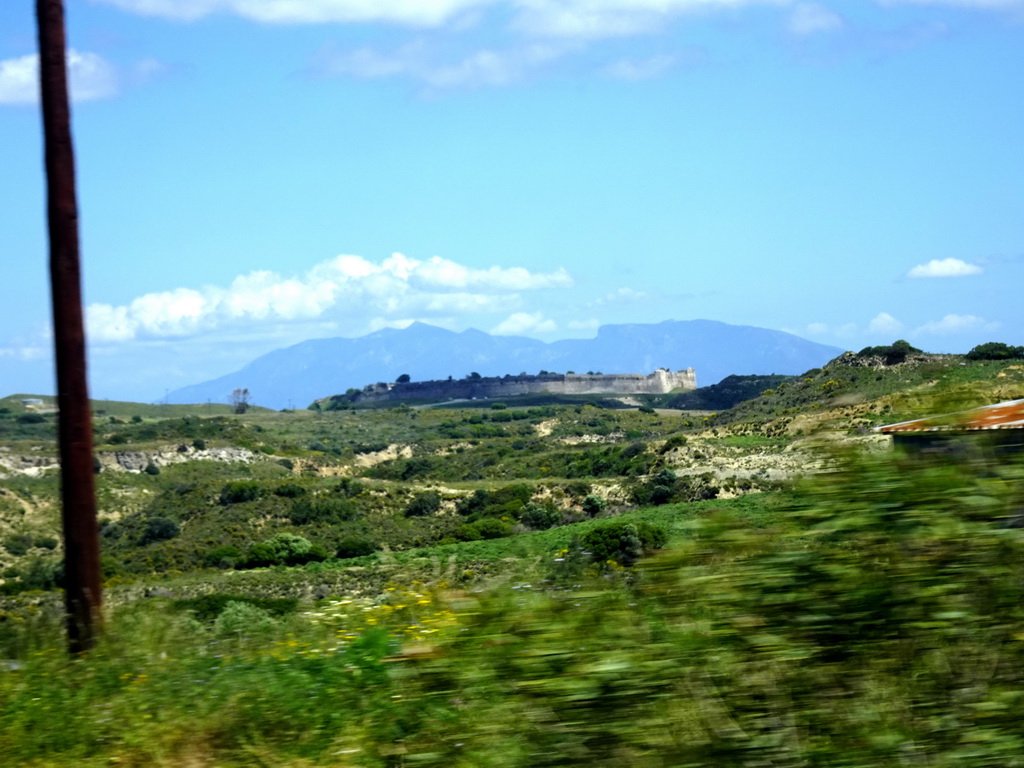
(90, 77)
(396, 289)
(426, 13)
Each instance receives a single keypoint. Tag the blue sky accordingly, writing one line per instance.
(253, 173)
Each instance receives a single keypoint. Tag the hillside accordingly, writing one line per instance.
(402, 578)
(298, 375)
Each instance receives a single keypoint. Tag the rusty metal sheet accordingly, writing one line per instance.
(1006, 415)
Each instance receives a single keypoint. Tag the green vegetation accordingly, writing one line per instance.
(995, 350)
(562, 584)
(873, 613)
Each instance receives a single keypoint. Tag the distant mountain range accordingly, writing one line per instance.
(297, 375)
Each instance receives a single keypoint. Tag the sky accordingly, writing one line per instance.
(254, 173)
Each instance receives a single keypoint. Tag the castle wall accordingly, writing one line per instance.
(658, 383)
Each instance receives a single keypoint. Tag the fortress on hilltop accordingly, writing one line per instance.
(660, 382)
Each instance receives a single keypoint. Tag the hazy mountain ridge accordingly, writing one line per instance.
(295, 376)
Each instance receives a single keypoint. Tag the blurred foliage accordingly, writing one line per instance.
(876, 619)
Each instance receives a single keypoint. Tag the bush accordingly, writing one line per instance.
(18, 544)
(152, 469)
(355, 546)
(594, 505)
(209, 607)
(349, 487)
(280, 549)
(623, 542)
(226, 556)
(578, 489)
(199, 444)
(424, 504)
(290, 491)
(322, 510)
(240, 491)
(995, 350)
(676, 441)
(159, 529)
(243, 620)
(892, 354)
(488, 528)
(539, 517)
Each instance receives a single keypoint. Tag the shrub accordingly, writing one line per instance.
(242, 620)
(676, 441)
(18, 543)
(152, 469)
(280, 549)
(41, 573)
(623, 542)
(594, 505)
(539, 517)
(355, 546)
(46, 542)
(239, 491)
(349, 487)
(31, 418)
(892, 354)
(159, 529)
(322, 510)
(290, 491)
(488, 528)
(424, 504)
(209, 607)
(475, 502)
(995, 350)
(199, 444)
(578, 489)
(226, 556)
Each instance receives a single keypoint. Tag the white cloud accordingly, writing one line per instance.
(953, 324)
(592, 19)
(812, 18)
(883, 322)
(25, 353)
(844, 331)
(619, 296)
(485, 67)
(981, 5)
(945, 268)
(519, 323)
(392, 290)
(426, 13)
(90, 77)
(440, 272)
(643, 69)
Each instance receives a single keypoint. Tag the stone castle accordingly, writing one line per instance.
(660, 382)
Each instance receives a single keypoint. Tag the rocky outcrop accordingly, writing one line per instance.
(126, 461)
(137, 461)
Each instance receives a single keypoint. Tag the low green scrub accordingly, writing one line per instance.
(208, 607)
(873, 617)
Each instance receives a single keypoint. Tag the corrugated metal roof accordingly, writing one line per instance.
(1008, 415)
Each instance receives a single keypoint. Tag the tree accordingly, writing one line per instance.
(240, 400)
(403, 379)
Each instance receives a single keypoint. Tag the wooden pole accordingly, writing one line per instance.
(83, 591)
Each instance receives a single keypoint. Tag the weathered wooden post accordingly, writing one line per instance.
(82, 592)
